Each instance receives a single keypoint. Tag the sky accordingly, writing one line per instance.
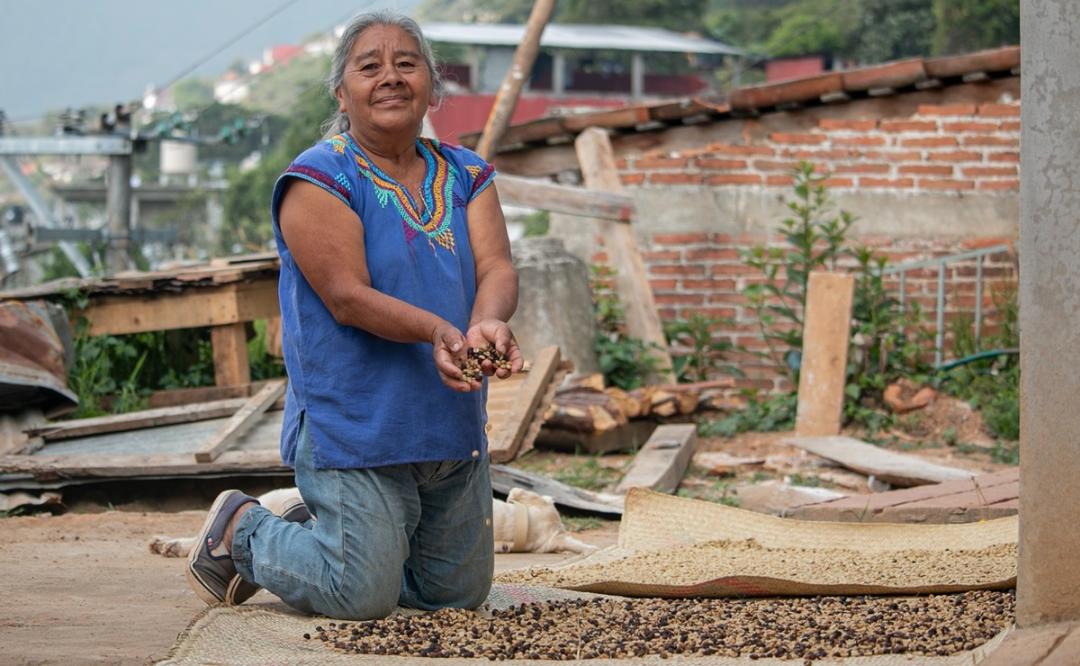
(72, 53)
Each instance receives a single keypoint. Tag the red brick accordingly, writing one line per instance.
(929, 142)
(679, 299)
(729, 149)
(660, 162)
(980, 172)
(798, 138)
(722, 238)
(774, 165)
(946, 184)
(679, 239)
(862, 168)
(734, 179)
(989, 141)
(1000, 110)
(711, 285)
(728, 269)
(621, 163)
(904, 156)
(661, 255)
(1003, 157)
(713, 163)
(858, 141)
(842, 124)
(722, 285)
(946, 109)
(835, 154)
(600, 258)
(979, 128)
(632, 178)
(955, 156)
(712, 253)
(1010, 127)
(999, 185)
(718, 313)
(908, 126)
(926, 169)
(675, 179)
(663, 285)
(892, 183)
(667, 314)
(838, 182)
(677, 269)
(779, 180)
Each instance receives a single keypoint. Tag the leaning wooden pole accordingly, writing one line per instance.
(507, 97)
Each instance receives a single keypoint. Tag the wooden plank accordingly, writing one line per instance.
(231, 366)
(826, 328)
(891, 467)
(506, 438)
(46, 468)
(1007, 479)
(545, 195)
(503, 479)
(631, 281)
(241, 422)
(191, 308)
(148, 418)
(188, 396)
(661, 463)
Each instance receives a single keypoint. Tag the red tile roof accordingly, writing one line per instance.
(885, 79)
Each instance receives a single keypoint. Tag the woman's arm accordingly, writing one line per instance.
(326, 239)
(496, 280)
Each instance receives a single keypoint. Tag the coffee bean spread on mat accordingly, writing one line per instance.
(474, 358)
(804, 628)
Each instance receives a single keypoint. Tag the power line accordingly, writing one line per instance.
(243, 33)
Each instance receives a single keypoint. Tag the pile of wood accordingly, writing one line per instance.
(588, 407)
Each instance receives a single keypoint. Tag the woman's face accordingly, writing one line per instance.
(386, 85)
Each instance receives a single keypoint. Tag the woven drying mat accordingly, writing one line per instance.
(241, 636)
(675, 547)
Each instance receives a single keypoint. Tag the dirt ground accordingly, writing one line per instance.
(83, 588)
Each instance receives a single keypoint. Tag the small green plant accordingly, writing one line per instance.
(587, 472)
(1006, 453)
(720, 492)
(769, 414)
(702, 353)
(582, 523)
(807, 481)
(626, 361)
(537, 223)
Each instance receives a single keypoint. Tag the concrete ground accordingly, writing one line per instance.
(84, 588)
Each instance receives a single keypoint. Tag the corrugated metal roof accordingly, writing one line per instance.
(556, 36)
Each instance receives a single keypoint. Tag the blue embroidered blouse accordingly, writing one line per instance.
(367, 401)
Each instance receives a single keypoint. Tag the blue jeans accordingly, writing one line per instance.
(416, 535)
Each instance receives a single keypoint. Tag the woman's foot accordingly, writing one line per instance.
(210, 567)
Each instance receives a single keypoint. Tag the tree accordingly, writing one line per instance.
(893, 29)
(970, 25)
(815, 26)
(247, 201)
(192, 94)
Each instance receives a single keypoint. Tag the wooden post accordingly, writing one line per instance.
(230, 354)
(241, 421)
(597, 161)
(507, 97)
(826, 329)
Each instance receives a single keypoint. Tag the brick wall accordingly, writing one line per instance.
(955, 149)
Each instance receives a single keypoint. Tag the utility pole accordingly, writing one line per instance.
(118, 205)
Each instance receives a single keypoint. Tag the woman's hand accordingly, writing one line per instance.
(498, 333)
(449, 350)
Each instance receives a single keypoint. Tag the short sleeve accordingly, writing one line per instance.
(480, 174)
(325, 165)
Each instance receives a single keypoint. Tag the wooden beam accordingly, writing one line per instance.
(826, 329)
(631, 283)
(503, 479)
(149, 418)
(241, 422)
(47, 468)
(661, 463)
(191, 308)
(545, 195)
(516, 78)
(231, 367)
(506, 439)
(893, 468)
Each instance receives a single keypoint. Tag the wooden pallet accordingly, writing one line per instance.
(983, 497)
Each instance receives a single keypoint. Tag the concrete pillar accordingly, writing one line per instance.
(637, 76)
(118, 207)
(558, 73)
(1049, 567)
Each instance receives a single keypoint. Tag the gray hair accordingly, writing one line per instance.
(339, 122)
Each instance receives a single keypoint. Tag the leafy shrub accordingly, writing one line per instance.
(703, 353)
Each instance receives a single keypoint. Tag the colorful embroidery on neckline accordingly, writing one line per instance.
(437, 189)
